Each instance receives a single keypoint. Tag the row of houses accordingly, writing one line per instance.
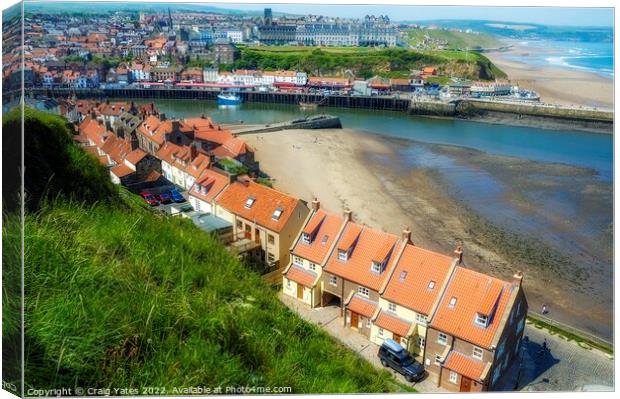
(464, 326)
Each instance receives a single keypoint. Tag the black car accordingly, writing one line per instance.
(395, 356)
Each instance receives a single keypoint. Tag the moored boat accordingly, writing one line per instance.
(228, 99)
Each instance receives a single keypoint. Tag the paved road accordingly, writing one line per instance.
(564, 367)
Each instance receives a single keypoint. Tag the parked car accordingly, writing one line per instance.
(395, 356)
(176, 196)
(164, 198)
(149, 198)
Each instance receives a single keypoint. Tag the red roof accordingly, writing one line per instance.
(362, 306)
(301, 276)
(211, 184)
(122, 170)
(323, 229)
(464, 365)
(393, 323)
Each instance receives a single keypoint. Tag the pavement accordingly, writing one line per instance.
(564, 366)
(329, 319)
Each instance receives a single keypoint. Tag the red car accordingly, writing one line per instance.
(149, 198)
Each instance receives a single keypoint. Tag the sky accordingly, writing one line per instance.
(539, 15)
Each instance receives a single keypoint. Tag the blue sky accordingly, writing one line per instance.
(540, 15)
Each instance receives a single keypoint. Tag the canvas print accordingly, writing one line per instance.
(237, 198)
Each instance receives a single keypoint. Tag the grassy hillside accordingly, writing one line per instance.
(365, 62)
(452, 39)
(117, 296)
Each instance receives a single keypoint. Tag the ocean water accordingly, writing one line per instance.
(596, 57)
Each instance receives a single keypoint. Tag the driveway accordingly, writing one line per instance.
(565, 366)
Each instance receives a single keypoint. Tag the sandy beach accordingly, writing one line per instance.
(346, 168)
(555, 85)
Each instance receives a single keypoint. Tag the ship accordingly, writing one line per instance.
(228, 99)
(308, 105)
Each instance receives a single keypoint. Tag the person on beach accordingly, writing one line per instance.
(544, 309)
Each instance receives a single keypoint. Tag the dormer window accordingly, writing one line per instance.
(324, 241)
(431, 285)
(343, 255)
(376, 267)
(482, 320)
(403, 276)
(249, 202)
(305, 237)
(452, 303)
(277, 213)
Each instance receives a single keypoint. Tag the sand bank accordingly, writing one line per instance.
(556, 85)
(346, 168)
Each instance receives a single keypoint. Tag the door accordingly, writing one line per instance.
(396, 337)
(248, 232)
(355, 318)
(300, 291)
(257, 236)
(465, 384)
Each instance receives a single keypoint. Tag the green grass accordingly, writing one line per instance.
(365, 62)
(453, 39)
(118, 296)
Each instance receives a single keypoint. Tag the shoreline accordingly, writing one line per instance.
(564, 86)
(357, 171)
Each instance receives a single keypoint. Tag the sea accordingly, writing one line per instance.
(595, 57)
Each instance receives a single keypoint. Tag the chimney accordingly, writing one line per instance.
(407, 235)
(162, 117)
(348, 215)
(193, 151)
(517, 279)
(134, 141)
(458, 253)
(176, 126)
(316, 204)
(92, 114)
(245, 180)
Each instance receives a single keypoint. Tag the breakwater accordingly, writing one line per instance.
(508, 112)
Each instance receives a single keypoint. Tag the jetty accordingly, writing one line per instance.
(322, 121)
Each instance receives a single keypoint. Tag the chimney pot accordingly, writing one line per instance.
(517, 279)
(348, 215)
(407, 235)
(316, 204)
(458, 253)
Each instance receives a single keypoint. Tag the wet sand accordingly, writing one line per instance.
(346, 168)
(555, 85)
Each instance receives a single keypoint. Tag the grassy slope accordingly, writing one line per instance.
(118, 296)
(454, 39)
(366, 62)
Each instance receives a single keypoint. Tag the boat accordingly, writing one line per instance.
(228, 99)
(308, 105)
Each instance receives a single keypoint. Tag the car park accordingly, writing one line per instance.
(396, 357)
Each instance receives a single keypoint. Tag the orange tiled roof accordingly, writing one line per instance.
(362, 306)
(301, 276)
(410, 283)
(267, 200)
(198, 165)
(323, 228)
(121, 170)
(464, 365)
(212, 135)
(349, 236)
(212, 181)
(135, 156)
(358, 267)
(392, 323)
(471, 289)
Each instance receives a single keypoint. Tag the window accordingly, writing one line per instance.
(271, 239)
(437, 358)
(333, 280)
(324, 239)
(305, 237)
(376, 267)
(343, 255)
(420, 318)
(249, 202)
(380, 332)
(312, 266)
(368, 323)
(363, 291)
(520, 326)
(239, 224)
(452, 303)
(298, 261)
(270, 257)
(481, 319)
(277, 213)
(392, 307)
(442, 339)
(403, 276)
(477, 353)
(288, 283)
(453, 377)
(431, 285)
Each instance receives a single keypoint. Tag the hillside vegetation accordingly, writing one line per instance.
(365, 62)
(452, 39)
(117, 296)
